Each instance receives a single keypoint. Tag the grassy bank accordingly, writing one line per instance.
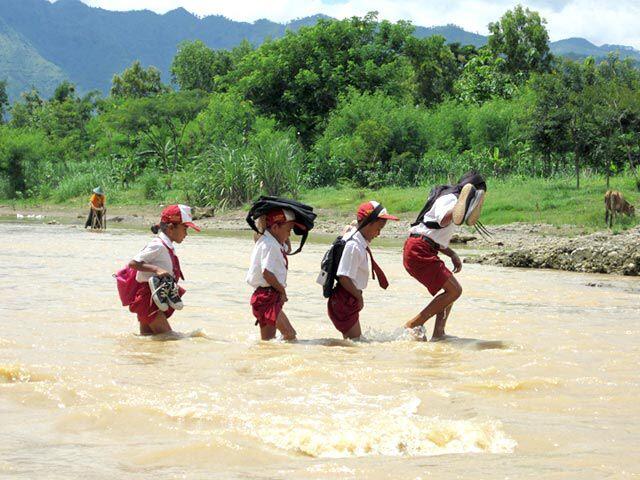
(554, 201)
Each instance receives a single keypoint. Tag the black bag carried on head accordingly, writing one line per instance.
(304, 215)
(331, 260)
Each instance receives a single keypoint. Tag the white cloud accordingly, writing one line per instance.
(597, 21)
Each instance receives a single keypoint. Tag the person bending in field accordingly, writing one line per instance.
(430, 235)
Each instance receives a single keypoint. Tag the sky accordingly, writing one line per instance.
(599, 21)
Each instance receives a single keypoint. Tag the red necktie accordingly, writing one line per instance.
(377, 271)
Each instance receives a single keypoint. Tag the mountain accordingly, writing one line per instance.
(42, 43)
(23, 67)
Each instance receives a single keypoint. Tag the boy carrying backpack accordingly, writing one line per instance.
(446, 207)
(347, 261)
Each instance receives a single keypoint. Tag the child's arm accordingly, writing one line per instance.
(147, 267)
(350, 287)
(274, 283)
(457, 263)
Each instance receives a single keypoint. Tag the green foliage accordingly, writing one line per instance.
(521, 37)
(22, 161)
(435, 66)
(4, 100)
(137, 82)
(226, 121)
(299, 78)
(484, 78)
(227, 177)
(370, 139)
(196, 66)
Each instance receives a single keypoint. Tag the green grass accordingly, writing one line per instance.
(554, 201)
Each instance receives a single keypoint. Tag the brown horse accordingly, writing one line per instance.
(614, 202)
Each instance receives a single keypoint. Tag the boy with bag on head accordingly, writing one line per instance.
(446, 207)
(268, 273)
(346, 300)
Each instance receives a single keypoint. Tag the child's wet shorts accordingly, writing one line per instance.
(266, 304)
(144, 307)
(343, 309)
(421, 260)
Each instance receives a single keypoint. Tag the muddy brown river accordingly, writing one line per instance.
(540, 381)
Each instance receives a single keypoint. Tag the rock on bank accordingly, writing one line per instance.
(601, 252)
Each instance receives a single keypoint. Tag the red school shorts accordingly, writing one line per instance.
(343, 309)
(144, 307)
(266, 304)
(422, 262)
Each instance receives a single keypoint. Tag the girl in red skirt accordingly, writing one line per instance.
(431, 234)
(158, 259)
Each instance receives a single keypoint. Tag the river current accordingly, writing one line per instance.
(540, 381)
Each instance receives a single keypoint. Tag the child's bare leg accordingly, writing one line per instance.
(267, 332)
(441, 321)
(452, 291)
(354, 332)
(145, 329)
(285, 327)
(160, 324)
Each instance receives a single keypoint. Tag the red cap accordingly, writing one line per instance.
(178, 214)
(367, 209)
(282, 215)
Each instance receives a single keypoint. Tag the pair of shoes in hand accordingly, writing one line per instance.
(469, 205)
(164, 292)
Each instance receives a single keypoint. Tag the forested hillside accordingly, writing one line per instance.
(43, 42)
(358, 102)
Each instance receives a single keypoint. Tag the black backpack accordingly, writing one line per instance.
(331, 260)
(436, 192)
(304, 215)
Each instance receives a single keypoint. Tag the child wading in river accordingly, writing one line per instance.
(446, 207)
(149, 283)
(346, 300)
(268, 273)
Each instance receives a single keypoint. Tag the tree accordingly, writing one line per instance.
(4, 100)
(26, 113)
(549, 119)
(159, 123)
(521, 37)
(137, 82)
(21, 151)
(196, 66)
(299, 78)
(435, 66)
(65, 91)
(484, 78)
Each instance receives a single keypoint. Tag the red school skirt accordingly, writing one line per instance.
(422, 262)
(144, 307)
(343, 309)
(266, 305)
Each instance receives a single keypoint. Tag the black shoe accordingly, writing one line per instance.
(159, 292)
(173, 296)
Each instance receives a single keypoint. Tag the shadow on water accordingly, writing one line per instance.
(474, 343)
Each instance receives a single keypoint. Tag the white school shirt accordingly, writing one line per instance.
(440, 208)
(156, 254)
(268, 254)
(354, 262)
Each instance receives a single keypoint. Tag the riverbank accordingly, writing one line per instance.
(526, 245)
